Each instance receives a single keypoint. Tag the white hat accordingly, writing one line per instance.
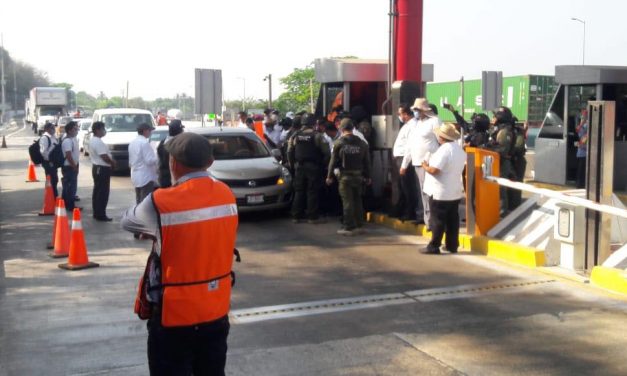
(447, 131)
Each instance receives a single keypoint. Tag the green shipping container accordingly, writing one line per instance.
(528, 96)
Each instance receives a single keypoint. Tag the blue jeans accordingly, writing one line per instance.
(70, 182)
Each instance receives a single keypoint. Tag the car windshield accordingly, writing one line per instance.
(85, 125)
(239, 146)
(125, 122)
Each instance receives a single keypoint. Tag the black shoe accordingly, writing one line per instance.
(429, 251)
(76, 198)
(103, 219)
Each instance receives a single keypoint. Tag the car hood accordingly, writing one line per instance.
(119, 138)
(256, 168)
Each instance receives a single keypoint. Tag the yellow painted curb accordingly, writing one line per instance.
(609, 278)
(499, 249)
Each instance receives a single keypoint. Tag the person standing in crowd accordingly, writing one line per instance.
(161, 119)
(443, 186)
(241, 119)
(188, 284)
(582, 147)
(70, 149)
(360, 117)
(47, 142)
(405, 190)
(307, 152)
(352, 158)
(143, 162)
(502, 142)
(476, 132)
(101, 166)
(175, 128)
(421, 143)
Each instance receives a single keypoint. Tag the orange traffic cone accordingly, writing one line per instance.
(78, 251)
(32, 177)
(61, 233)
(48, 208)
(54, 224)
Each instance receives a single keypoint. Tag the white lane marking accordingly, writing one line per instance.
(317, 307)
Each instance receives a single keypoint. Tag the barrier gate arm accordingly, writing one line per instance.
(560, 196)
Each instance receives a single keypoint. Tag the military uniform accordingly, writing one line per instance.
(351, 156)
(307, 152)
(503, 142)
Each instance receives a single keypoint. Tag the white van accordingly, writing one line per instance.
(121, 125)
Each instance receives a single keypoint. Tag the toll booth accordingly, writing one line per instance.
(556, 153)
(361, 82)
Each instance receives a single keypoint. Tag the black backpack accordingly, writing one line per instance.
(56, 156)
(35, 152)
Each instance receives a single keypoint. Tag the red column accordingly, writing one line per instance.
(408, 40)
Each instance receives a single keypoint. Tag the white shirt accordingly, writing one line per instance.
(97, 148)
(330, 140)
(400, 144)
(357, 133)
(46, 143)
(70, 144)
(450, 159)
(274, 134)
(421, 141)
(241, 125)
(143, 161)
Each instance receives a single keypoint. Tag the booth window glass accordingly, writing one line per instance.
(553, 124)
(578, 97)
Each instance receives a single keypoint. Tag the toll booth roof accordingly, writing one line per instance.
(358, 70)
(590, 74)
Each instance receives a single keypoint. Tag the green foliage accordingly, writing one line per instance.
(22, 77)
(63, 84)
(300, 86)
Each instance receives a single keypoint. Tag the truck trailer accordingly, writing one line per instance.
(46, 104)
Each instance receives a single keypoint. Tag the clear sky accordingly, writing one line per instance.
(155, 45)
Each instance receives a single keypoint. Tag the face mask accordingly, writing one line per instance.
(416, 114)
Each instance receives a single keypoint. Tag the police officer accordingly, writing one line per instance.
(351, 156)
(502, 142)
(477, 131)
(307, 152)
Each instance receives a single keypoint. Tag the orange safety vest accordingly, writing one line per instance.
(198, 220)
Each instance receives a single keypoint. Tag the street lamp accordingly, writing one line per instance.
(269, 79)
(244, 97)
(583, 59)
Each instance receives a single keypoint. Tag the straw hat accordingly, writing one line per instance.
(447, 131)
(421, 104)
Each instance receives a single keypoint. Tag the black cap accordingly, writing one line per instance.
(175, 127)
(190, 149)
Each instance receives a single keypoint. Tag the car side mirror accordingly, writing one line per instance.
(276, 153)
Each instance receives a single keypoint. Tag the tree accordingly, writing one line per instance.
(299, 85)
(20, 78)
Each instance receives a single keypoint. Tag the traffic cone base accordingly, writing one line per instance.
(77, 259)
(49, 204)
(89, 264)
(62, 232)
(32, 176)
(49, 246)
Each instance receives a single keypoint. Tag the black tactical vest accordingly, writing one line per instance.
(305, 149)
(351, 153)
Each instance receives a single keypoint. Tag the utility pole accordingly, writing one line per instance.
(127, 93)
(2, 80)
(14, 89)
(269, 79)
(311, 105)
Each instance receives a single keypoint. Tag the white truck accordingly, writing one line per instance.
(46, 104)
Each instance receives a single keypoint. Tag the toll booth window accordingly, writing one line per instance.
(553, 124)
(578, 97)
(334, 96)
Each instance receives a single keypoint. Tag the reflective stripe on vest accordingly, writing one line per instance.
(198, 231)
(197, 215)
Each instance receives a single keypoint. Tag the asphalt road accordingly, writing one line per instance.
(306, 302)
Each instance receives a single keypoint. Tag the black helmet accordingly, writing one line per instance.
(481, 122)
